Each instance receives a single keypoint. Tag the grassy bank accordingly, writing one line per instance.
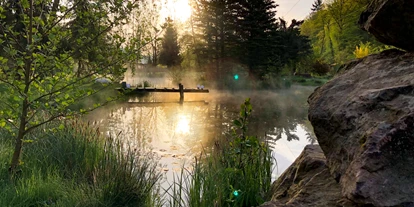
(313, 81)
(76, 166)
(236, 172)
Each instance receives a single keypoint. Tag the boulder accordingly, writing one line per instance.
(364, 122)
(307, 182)
(391, 22)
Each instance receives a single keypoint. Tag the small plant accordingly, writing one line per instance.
(320, 67)
(362, 50)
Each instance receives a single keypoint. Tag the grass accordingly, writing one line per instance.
(76, 166)
(314, 81)
(237, 172)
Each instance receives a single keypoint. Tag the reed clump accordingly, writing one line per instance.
(236, 172)
(69, 163)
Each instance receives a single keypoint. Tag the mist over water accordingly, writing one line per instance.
(175, 132)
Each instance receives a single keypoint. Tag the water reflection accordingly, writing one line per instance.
(176, 132)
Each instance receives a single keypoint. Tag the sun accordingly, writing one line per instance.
(179, 10)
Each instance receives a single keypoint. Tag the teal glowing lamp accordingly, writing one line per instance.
(236, 77)
(236, 193)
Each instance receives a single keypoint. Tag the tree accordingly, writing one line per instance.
(317, 5)
(170, 53)
(260, 39)
(296, 46)
(38, 74)
(334, 32)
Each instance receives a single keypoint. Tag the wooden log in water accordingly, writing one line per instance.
(160, 90)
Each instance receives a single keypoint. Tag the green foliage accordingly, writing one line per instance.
(51, 53)
(334, 32)
(361, 51)
(76, 166)
(237, 172)
(320, 68)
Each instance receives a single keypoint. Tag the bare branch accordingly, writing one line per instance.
(42, 123)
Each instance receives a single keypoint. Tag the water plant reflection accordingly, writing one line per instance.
(175, 132)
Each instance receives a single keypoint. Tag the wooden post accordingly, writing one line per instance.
(181, 88)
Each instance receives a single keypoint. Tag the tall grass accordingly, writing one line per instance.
(76, 166)
(237, 172)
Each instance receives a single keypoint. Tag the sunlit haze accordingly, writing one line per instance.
(176, 9)
(288, 9)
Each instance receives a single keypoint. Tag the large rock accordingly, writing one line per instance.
(364, 122)
(307, 182)
(391, 22)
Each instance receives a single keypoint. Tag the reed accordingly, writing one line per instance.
(236, 172)
(74, 165)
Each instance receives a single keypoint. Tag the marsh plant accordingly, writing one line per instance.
(72, 164)
(236, 172)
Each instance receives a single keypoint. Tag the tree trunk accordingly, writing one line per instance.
(25, 105)
(19, 139)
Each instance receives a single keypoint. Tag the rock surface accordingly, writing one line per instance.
(391, 22)
(364, 122)
(307, 182)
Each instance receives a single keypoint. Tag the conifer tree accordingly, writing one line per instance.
(170, 53)
(316, 6)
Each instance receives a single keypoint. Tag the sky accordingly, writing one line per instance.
(288, 9)
(294, 9)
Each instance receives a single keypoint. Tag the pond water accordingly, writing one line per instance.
(176, 132)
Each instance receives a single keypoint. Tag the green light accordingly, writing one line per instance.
(236, 77)
(236, 193)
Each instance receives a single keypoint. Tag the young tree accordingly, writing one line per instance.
(170, 53)
(38, 58)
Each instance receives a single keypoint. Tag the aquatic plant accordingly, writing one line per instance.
(236, 172)
(73, 165)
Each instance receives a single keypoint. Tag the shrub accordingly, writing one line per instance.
(321, 68)
(362, 50)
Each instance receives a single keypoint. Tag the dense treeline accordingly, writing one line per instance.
(334, 33)
(230, 35)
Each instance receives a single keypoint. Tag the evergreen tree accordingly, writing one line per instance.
(170, 53)
(258, 35)
(316, 6)
(248, 32)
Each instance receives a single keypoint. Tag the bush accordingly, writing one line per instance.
(321, 68)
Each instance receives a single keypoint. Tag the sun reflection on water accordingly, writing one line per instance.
(183, 125)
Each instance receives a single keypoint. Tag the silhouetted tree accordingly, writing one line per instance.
(316, 6)
(170, 53)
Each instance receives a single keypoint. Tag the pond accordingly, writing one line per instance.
(176, 132)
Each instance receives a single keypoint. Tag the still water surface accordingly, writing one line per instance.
(175, 132)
